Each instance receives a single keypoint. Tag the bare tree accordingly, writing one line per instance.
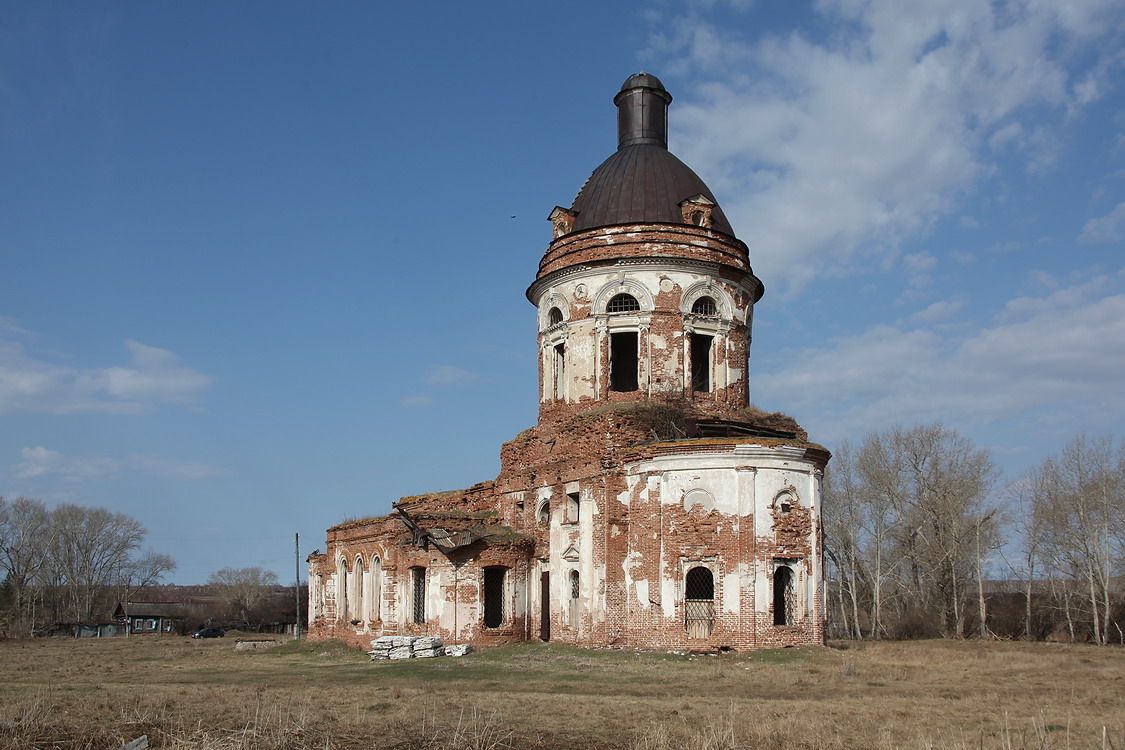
(879, 468)
(141, 572)
(242, 588)
(24, 530)
(928, 527)
(1079, 504)
(843, 512)
(90, 547)
(1028, 526)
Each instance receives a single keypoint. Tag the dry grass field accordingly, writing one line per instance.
(202, 694)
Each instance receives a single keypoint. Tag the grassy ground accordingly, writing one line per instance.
(203, 694)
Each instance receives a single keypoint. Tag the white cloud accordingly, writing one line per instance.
(1010, 134)
(439, 376)
(938, 311)
(174, 469)
(1062, 352)
(42, 463)
(449, 375)
(12, 327)
(39, 462)
(826, 152)
(153, 377)
(1104, 229)
(918, 267)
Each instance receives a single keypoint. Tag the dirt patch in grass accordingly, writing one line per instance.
(202, 694)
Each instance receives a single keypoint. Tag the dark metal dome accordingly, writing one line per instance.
(643, 182)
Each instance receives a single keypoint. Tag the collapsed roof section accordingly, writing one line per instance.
(448, 521)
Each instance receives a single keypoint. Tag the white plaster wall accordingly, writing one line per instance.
(720, 483)
(743, 482)
(663, 356)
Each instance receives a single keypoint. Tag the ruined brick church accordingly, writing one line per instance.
(650, 506)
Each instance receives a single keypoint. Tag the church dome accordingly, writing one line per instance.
(643, 182)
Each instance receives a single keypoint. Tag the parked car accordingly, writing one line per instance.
(208, 633)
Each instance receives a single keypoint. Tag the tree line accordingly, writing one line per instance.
(69, 564)
(922, 540)
(74, 564)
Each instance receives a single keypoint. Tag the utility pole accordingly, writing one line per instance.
(297, 585)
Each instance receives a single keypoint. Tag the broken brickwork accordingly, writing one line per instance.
(651, 506)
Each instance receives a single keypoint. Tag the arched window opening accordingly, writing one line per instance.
(559, 380)
(357, 610)
(543, 514)
(575, 590)
(376, 596)
(783, 596)
(697, 218)
(341, 590)
(699, 602)
(418, 595)
(494, 596)
(623, 361)
(554, 317)
(701, 363)
(705, 306)
(622, 303)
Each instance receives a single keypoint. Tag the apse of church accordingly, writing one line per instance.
(650, 506)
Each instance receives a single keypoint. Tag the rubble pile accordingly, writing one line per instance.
(427, 646)
(413, 647)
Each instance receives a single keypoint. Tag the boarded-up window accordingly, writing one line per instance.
(699, 602)
(494, 596)
(418, 594)
(623, 361)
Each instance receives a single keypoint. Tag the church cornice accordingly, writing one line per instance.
(747, 281)
(639, 244)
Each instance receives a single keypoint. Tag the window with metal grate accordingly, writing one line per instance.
(705, 306)
(623, 303)
(418, 581)
(699, 602)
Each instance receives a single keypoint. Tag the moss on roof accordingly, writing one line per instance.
(772, 420)
(351, 523)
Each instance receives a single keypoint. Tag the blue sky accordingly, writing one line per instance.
(262, 264)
